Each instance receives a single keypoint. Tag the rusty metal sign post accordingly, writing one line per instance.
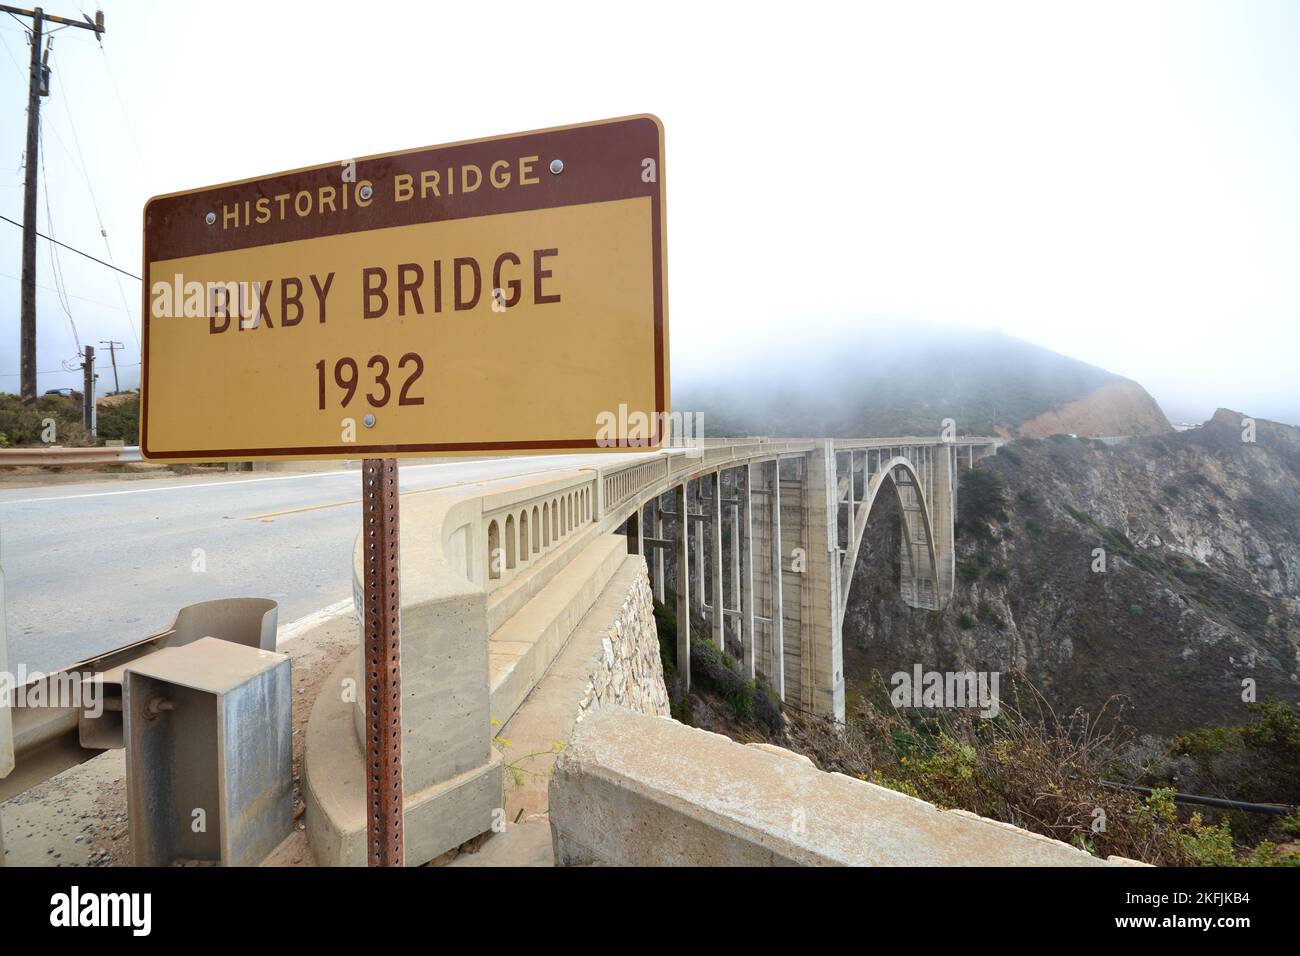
(383, 662)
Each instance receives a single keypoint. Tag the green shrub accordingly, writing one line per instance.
(23, 424)
(120, 422)
(666, 626)
(1208, 845)
(751, 701)
(714, 671)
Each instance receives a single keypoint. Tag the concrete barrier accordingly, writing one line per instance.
(632, 790)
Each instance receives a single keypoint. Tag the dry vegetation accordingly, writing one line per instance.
(1031, 767)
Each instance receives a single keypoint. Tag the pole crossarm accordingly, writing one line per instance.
(96, 25)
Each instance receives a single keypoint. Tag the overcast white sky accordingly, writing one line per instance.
(1119, 182)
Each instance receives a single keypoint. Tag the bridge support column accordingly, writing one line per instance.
(745, 553)
(657, 559)
(765, 610)
(697, 595)
(635, 534)
(943, 516)
(776, 611)
(822, 659)
(717, 618)
(732, 591)
(683, 588)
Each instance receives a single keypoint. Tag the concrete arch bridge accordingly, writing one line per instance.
(503, 581)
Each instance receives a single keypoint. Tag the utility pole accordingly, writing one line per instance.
(88, 390)
(38, 85)
(112, 357)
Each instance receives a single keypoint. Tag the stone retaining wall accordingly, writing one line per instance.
(629, 671)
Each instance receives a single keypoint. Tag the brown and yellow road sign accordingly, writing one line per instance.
(504, 295)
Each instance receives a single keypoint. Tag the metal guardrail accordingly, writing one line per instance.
(55, 734)
(54, 455)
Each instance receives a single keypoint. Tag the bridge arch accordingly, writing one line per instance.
(920, 551)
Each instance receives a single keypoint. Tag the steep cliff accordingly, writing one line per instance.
(1200, 536)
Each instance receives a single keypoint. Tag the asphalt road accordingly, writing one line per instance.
(89, 567)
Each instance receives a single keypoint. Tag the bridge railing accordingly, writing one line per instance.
(508, 538)
(520, 527)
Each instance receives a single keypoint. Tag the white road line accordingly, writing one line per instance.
(215, 484)
(288, 632)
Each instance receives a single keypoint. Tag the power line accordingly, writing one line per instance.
(56, 268)
(77, 251)
(94, 202)
(66, 371)
(70, 295)
(144, 166)
(21, 71)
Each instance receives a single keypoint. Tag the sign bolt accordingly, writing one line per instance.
(557, 166)
(368, 421)
(365, 191)
(211, 218)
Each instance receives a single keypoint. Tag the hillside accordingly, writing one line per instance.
(1201, 534)
(1118, 408)
(871, 383)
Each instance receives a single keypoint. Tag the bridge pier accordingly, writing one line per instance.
(943, 516)
(763, 498)
(657, 560)
(744, 563)
(822, 666)
(717, 616)
(682, 542)
(776, 605)
(697, 595)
